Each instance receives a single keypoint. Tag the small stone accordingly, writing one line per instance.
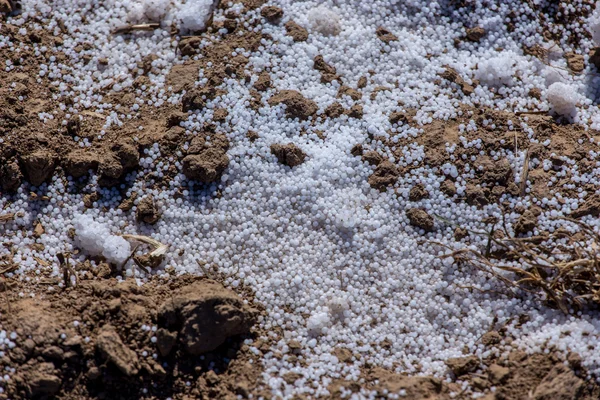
(420, 218)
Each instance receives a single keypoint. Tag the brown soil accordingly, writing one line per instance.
(200, 326)
(516, 377)
(104, 339)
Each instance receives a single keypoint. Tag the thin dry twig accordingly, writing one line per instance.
(524, 174)
(137, 27)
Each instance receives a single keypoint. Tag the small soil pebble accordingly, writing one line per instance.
(491, 338)
(188, 46)
(110, 166)
(591, 206)
(112, 348)
(263, 82)
(79, 162)
(271, 13)
(462, 365)
(448, 188)
(386, 174)
(288, 154)
(418, 192)
(334, 110)
(328, 72)
(372, 157)
(297, 32)
(356, 111)
(526, 223)
(39, 166)
(498, 374)
(206, 167)
(420, 218)
(576, 62)
(205, 314)
(296, 105)
(5, 7)
(10, 175)
(146, 211)
(385, 35)
(475, 34)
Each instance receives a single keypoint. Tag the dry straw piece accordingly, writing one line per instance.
(561, 268)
